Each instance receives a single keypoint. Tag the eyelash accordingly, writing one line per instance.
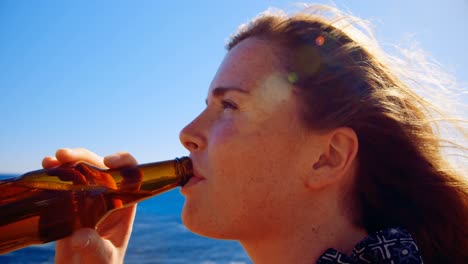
(228, 105)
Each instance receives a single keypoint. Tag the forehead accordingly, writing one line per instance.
(248, 64)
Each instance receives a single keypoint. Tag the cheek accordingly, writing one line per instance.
(223, 132)
(236, 141)
(248, 145)
(238, 130)
(251, 152)
(242, 161)
(236, 154)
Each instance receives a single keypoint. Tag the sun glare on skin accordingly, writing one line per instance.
(275, 90)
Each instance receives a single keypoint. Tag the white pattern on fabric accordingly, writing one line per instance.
(389, 246)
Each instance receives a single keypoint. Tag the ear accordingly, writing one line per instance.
(337, 158)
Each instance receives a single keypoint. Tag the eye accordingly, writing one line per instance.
(228, 105)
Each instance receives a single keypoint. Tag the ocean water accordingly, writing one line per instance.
(158, 237)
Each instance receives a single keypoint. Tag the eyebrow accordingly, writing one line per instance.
(220, 91)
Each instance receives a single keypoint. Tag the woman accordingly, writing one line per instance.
(311, 149)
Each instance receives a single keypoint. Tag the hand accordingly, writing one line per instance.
(108, 243)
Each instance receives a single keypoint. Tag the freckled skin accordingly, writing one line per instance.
(252, 157)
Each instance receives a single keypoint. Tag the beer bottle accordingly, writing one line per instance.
(49, 204)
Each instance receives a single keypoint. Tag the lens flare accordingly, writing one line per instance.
(319, 41)
(292, 77)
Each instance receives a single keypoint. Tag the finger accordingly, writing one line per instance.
(50, 162)
(68, 174)
(131, 177)
(82, 238)
(63, 250)
(86, 246)
(119, 159)
(90, 245)
(65, 155)
(121, 220)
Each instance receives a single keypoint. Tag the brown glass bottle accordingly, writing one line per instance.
(49, 204)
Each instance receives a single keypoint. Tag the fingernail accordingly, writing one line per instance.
(80, 242)
(68, 150)
(112, 158)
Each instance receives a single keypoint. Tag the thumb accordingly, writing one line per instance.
(90, 247)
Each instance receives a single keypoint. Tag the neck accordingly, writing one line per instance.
(300, 242)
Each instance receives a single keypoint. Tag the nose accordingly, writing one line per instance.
(192, 137)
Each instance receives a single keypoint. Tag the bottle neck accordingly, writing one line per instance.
(184, 168)
(153, 176)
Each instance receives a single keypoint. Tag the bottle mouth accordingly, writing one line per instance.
(184, 169)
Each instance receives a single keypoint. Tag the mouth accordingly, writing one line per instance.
(194, 180)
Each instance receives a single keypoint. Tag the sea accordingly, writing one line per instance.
(158, 237)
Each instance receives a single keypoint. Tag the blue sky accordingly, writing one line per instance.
(128, 75)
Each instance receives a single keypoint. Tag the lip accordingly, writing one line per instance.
(194, 180)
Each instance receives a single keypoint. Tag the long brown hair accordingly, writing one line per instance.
(344, 79)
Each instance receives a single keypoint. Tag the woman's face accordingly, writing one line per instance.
(248, 146)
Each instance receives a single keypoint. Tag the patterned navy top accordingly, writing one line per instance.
(388, 246)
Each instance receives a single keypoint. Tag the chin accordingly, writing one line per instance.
(203, 225)
(196, 223)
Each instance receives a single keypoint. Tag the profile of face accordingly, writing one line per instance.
(248, 145)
